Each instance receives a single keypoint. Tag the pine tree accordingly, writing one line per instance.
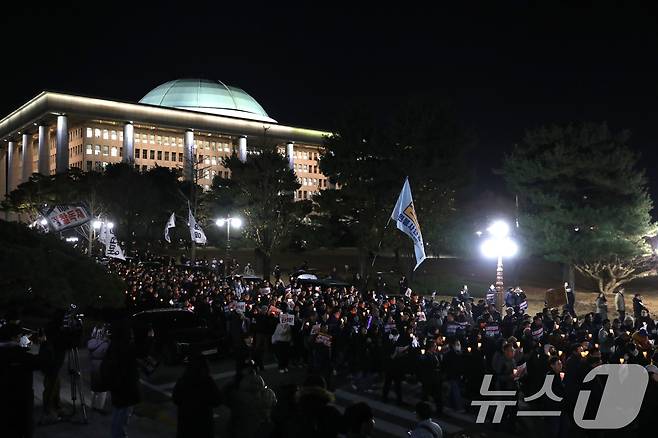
(584, 202)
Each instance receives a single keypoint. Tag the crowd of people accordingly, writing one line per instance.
(373, 338)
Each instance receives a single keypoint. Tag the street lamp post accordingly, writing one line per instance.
(499, 245)
(229, 221)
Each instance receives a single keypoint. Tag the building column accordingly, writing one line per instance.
(128, 144)
(26, 157)
(242, 148)
(44, 149)
(290, 149)
(3, 172)
(62, 153)
(188, 156)
(10, 166)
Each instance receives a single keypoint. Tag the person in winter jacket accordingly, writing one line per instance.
(196, 394)
(120, 371)
(98, 346)
(602, 306)
(638, 306)
(281, 343)
(316, 415)
(620, 304)
(425, 428)
(251, 407)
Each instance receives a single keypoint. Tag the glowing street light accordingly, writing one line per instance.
(229, 221)
(97, 224)
(499, 245)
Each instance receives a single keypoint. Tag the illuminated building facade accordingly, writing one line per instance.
(188, 124)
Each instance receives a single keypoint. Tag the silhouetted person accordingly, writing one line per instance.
(196, 394)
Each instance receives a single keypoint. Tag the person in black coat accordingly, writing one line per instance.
(196, 394)
(120, 369)
(16, 393)
(429, 373)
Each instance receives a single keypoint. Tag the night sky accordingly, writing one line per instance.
(506, 65)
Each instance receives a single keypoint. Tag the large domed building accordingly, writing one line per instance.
(207, 96)
(176, 124)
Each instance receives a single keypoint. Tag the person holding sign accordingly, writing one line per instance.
(281, 341)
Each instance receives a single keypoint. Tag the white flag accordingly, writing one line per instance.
(112, 248)
(171, 223)
(102, 235)
(196, 233)
(404, 215)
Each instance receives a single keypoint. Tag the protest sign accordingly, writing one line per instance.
(287, 319)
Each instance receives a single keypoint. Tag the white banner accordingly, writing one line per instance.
(171, 223)
(196, 233)
(404, 214)
(63, 217)
(112, 248)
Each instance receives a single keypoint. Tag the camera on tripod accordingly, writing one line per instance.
(71, 327)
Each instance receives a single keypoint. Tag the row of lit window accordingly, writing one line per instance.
(107, 134)
(303, 194)
(152, 154)
(306, 168)
(305, 155)
(97, 149)
(313, 182)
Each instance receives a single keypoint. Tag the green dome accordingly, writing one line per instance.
(207, 96)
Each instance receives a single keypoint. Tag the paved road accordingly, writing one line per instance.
(156, 415)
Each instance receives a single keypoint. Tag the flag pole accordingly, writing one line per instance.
(379, 245)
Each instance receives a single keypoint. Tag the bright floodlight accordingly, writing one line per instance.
(97, 224)
(499, 229)
(43, 222)
(236, 222)
(110, 225)
(220, 222)
(499, 248)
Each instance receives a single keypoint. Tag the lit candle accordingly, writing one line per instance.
(559, 353)
(439, 348)
(596, 345)
(515, 371)
(557, 326)
(479, 345)
(518, 344)
(584, 353)
(645, 354)
(469, 350)
(621, 360)
(612, 332)
(589, 336)
(562, 375)
(422, 351)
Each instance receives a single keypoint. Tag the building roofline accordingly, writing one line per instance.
(54, 102)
